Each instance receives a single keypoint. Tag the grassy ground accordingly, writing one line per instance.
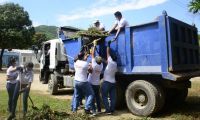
(190, 110)
(39, 100)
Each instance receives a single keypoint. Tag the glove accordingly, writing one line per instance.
(94, 42)
(90, 50)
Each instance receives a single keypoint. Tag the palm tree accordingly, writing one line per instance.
(194, 6)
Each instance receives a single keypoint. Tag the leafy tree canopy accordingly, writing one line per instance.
(194, 6)
(16, 29)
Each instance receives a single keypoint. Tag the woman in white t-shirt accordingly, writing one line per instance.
(12, 74)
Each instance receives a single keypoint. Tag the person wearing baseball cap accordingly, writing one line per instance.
(99, 25)
(94, 79)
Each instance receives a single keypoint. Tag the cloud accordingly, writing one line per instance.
(105, 7)
(4, 1)
(35, 23)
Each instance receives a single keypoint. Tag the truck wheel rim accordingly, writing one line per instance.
(139, 98)
(50, 84)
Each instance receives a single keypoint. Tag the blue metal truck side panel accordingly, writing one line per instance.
(72, 48)
(146, 54)
(161, 47)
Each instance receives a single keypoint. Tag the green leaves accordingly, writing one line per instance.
(16, 29)
(194, 6)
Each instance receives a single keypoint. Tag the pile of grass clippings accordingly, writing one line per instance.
(92, 33)
(46, 113)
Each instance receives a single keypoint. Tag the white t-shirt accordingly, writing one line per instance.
(122, 23)
(101, 26)
(26, 77)
(12, 74)
(111, 69)
(81, 68)
(94, 77)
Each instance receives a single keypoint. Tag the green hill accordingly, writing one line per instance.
(50, 31)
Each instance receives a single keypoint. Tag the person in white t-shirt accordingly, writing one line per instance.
(119, 24)
(12, 74)
(82, 87)
(24, 78)
(94, 78)
(108, 86)
(99, 25)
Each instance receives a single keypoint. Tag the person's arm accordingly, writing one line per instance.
(114, 26)
(13, 69)
(117, 34)
(93, 49)
(85, 56)
(108, 50)
(93, 52)
(10, 77)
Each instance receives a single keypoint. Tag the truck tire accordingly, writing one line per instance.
(144, 98)
(52, 85)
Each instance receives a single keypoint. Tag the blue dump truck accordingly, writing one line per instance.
(155, 63)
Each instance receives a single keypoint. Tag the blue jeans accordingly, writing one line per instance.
(10, 89)
(73, 101)
(80, 89)
(108, 89)
(97, 98)
(25, 100)
(15, 98)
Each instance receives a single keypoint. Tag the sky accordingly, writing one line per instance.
(82, 13)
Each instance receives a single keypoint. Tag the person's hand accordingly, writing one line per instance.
(94, 42)
(90, 69)
(115, 38)
(19, 68)
(91, 50)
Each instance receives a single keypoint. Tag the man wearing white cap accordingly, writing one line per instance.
(99, 25)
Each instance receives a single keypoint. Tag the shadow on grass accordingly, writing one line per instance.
(191, 108)
(63, 92)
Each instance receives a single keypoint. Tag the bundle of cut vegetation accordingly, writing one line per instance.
(91, 34)
(46, 113)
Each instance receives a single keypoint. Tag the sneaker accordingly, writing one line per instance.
(108, 112)
(11, 116)
(99, 112)
(94, 114)
(24, 115)
(87, 111)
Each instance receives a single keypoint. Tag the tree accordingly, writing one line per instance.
(16, 29)
(38, 38)
(194, 6)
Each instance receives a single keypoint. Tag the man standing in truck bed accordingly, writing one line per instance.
(119, 24)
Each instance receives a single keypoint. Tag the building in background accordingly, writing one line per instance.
(22, 56)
